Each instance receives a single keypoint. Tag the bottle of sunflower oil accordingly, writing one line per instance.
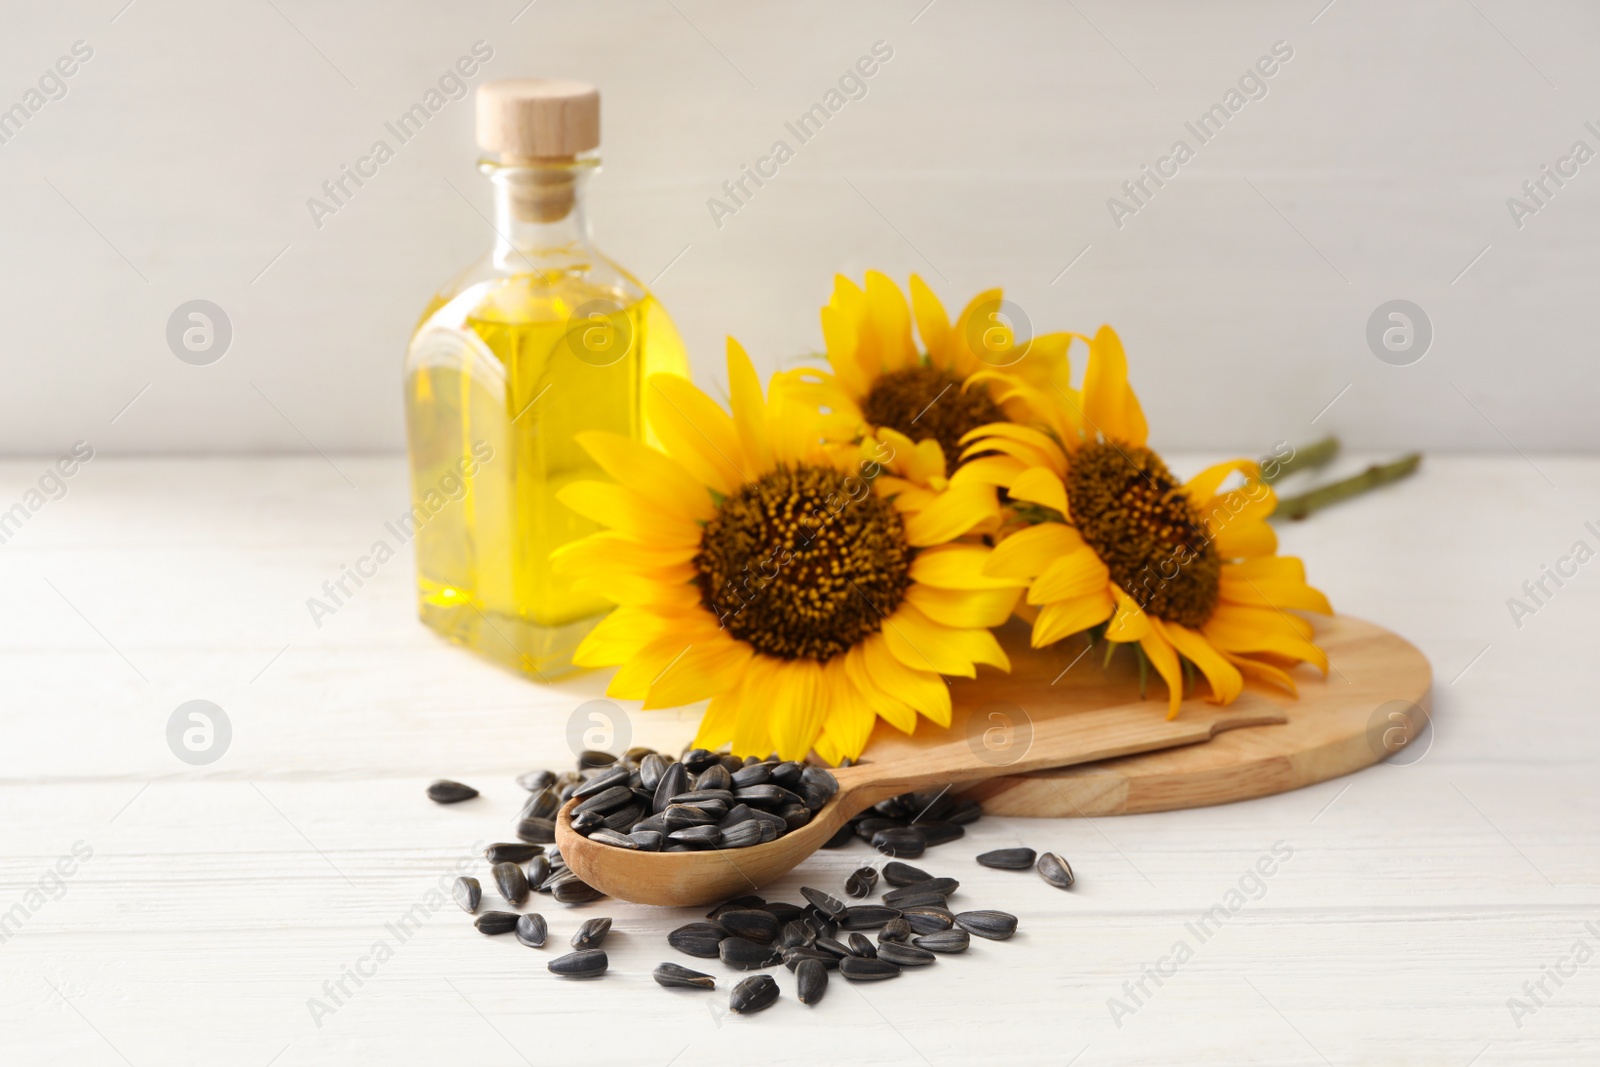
(541, 340)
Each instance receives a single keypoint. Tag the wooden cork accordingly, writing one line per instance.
(538, 118)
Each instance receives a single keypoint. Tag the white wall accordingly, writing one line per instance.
(1378, 166)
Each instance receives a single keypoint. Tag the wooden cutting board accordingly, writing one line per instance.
(1374, 701)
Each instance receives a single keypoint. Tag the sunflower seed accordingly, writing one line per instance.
(591, 933)
(537, 831)
(510, 852)
(811, 978)
(612, 776)
(755, 774)
(587, 822)
(758, 926)
(573, 891)
(651, 768)
(674, 780)
(940, 833)
(862, 970)
(741, 835)
(607, 800)
(683, 816)
(745, 955)
(895, 930)
(607, 836)
(592, 758)
(832, 946)
(635, 754)
(534, 781)
(866, 827)
(716, 777)
(841, 837)
(765, 795)
(927, 919)
(794, 957)
(1009, 859)
(904, 841)
(624, 817)
(745, 903)
(896, 873)
(512, 883)
(538, 872)
(585, 963)
(496, 922)
(697, 939)
(787, 774)
(796, 934)
(994, 925)
(468, 894)
(445, 791)
(965, 813)
(938, 887)
(647, 840)
(697, 836)
(860, 882)
(830, 906)
(532, 929)
(675, 977)
(1055, 870)
(954, 940)
(821, 778)
(753, 994)
(698, 759)
(867, 916)
(914, 896)
(905, 955)
(783, 911)
(860, 946)
(541, 805)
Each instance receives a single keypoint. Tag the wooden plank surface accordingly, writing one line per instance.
(219, 898)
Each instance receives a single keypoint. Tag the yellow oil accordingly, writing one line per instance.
(498, 381)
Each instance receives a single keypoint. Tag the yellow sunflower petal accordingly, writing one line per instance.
(924, 645)
(957, 510)
(1066, 617)
(695, 431)
(797, 708)
(751, 734)
(749, 409)
(892, 709)
(620, 508)
(1130, 623)
(988, 470)
(1203, 486)
(720, 720)
(960, 567)
(890, 320)
(964, 607)
(1162, 657)
(1026, 553)
(605, 552)
(618, 637)
(710, 666)
(649, 472)
(1070, 576)
(1109, 403)
(1038, 449)
(1040, 486)
(1256, 670)
(1278, 581)
(850, 718)
(924, 691)
(1246, 540)
(932, 323)
(1223, 676)
(633, 677)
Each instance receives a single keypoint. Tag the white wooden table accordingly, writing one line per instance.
(219, 899)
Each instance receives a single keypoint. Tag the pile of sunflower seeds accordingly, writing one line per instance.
(715, 801)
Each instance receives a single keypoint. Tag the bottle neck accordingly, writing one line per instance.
(539, 209)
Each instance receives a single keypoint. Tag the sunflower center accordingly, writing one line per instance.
(929, 402)
(1137, 518)
(803, 562)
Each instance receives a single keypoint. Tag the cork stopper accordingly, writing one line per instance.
(538, 118)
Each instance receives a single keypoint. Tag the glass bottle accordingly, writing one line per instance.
(542, 339)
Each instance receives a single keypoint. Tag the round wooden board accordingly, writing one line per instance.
(1376, 694)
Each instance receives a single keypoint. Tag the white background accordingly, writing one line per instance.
(1378, 166)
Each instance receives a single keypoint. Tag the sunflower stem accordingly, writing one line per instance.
(1310, 457)
(1379, 474)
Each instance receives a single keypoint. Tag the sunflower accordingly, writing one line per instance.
(963, 376)
(1112, 539)
(805, 589)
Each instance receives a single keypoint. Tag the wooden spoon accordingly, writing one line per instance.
(979, 751)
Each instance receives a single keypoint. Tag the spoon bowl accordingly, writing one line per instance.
(680, 879)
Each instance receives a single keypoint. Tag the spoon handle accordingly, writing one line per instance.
(1003, 745)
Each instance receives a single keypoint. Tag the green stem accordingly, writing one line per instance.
(1316, 454)
(1298, 507)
